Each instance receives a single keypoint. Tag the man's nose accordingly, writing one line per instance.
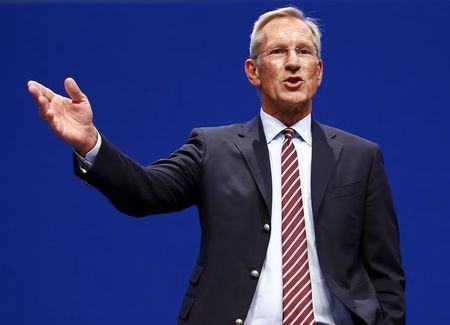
(292, 60)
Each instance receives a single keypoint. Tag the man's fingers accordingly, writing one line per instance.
(34, 91)
(35, 88)
(42, 97)
(43, 104)
(39, 98)
(74, 91)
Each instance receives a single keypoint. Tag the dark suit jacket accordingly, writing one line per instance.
(225, 171)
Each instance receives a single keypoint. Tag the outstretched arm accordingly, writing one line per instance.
(70, 118)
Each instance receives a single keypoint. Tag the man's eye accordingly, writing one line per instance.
(277, 50)
(304, 51)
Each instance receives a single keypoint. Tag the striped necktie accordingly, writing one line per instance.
(297, 294)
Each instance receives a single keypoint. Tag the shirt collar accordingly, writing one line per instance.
(273, 127)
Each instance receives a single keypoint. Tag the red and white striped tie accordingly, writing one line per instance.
(297, 294)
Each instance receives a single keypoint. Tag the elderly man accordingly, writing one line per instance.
(297, 220)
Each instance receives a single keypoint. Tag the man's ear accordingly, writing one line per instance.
(319, 72)
(252, 72)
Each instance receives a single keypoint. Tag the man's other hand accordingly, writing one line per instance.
(70, 118)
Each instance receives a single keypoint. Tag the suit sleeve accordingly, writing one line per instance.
(167, 185)
(381, 244)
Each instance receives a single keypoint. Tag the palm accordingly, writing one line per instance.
(70, 118)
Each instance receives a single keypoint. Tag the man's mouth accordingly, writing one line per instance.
(293, 82)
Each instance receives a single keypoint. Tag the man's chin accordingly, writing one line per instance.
(295, 103)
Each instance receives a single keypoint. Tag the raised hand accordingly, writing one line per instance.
(70, 118)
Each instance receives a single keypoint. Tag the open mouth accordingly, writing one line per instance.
(293, 81)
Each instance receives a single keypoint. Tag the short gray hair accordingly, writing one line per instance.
(256, 36)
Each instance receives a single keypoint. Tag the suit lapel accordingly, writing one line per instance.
(252, 144)
(325, 154)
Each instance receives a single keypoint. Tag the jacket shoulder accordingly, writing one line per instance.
(221, 130)
(228, 132)
(347, 138)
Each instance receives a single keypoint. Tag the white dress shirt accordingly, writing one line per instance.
(267, 305)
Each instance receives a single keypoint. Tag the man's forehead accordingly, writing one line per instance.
(286, 28)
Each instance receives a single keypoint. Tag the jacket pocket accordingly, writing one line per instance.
(347, 189)
(196, 274)
(369, 310)
(189, 298)
(186, 307)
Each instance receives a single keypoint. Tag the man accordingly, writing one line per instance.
(297, 220)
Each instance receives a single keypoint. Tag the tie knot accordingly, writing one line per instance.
(288, 133)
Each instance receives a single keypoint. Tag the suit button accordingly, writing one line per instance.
(254, 274)
(266, 227)
(238, 321)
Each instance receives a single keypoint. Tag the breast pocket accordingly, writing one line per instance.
(350, 188)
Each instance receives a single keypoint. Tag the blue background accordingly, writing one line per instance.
(152, 72)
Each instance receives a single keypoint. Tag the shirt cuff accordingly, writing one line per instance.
(85, 163)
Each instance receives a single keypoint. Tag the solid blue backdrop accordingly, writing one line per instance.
(153, 71)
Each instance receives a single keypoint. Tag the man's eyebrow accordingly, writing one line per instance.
(280, 43)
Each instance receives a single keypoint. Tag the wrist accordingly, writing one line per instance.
(91, 140)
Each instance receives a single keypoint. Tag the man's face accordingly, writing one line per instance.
(287, 82)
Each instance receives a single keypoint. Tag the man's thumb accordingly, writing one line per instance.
(73, 90)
